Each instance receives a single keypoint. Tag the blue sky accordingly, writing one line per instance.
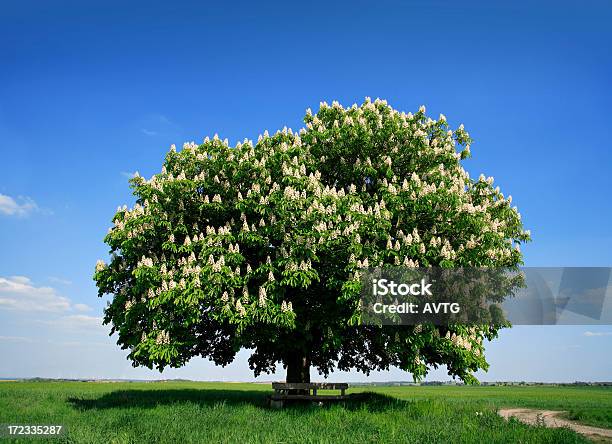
(91, 92)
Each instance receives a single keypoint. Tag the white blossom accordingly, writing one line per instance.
(262, 297)
(100, 265)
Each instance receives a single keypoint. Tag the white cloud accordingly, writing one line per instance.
(58, 280)
(153, 125)
(20, 207)
(164, 119)
(128, 175)
(14, 339)
(19, 293)
(597, 333)
(30, 303)
(77, 322)
(82, 307)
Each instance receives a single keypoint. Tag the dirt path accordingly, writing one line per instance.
(552, 418)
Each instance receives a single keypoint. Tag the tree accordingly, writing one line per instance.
(260, 246)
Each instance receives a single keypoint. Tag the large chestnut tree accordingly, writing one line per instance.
(260, 245)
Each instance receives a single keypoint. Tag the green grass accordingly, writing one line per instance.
(186, 412)
(588, 405)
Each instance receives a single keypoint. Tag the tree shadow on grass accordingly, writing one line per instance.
(210, 398)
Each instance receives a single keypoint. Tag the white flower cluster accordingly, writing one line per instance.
(145, 262)
(286, 306)
(240, 309)
(216, 265)
(163, 338)
(100, 265)
(262, 297)
(460, 341)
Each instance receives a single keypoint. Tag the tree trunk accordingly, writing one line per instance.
(298, 370)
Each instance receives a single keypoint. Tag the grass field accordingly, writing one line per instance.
(186, 412)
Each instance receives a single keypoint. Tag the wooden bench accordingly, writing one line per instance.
(305, 391)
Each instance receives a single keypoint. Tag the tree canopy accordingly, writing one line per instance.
(260, 245)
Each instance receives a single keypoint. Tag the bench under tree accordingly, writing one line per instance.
(305, 391)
